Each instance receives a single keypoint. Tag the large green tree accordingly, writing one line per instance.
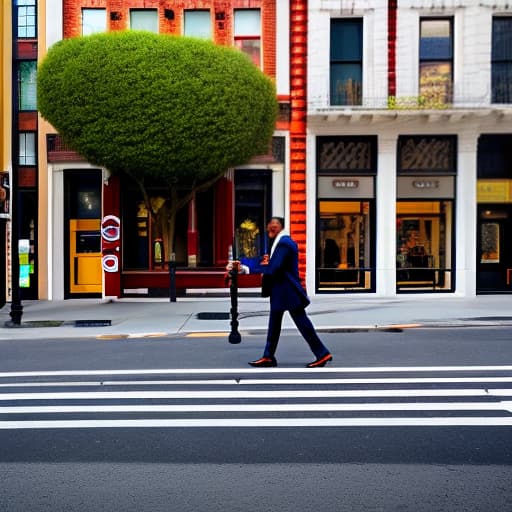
(170, 110)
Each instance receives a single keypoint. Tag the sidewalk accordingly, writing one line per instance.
(159, 317)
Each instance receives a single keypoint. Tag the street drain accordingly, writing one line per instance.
(93, 323)
(213, 315)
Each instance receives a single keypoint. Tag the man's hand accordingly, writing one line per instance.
(265, 259)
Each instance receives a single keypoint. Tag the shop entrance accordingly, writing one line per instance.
(83, 272)
(494, 214)
(494, 248)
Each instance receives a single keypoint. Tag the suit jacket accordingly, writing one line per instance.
(281, 277)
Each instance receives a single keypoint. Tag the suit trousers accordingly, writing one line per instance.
(304, 326)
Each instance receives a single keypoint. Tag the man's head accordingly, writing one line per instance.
(275, 226)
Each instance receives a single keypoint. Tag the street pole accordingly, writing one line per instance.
(234, 335)
(16, 306)
(172, 278)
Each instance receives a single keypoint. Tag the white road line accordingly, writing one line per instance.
(263, 422)
(252, 382)
(188, 371)
(319, 407)
(78, 395)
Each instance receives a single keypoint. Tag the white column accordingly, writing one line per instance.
(386, 216)
(465, 216)
(56, 213)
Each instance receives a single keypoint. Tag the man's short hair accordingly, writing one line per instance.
(279, 219)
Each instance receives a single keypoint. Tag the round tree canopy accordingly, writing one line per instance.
(174, 108)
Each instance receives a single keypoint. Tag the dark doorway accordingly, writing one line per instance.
(494, 248)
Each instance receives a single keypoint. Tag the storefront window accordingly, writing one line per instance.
(253, 189)
(344, 255)
(424, 245)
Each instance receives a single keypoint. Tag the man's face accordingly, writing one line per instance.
(274, 227)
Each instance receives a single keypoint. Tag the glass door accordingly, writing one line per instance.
(494, 248)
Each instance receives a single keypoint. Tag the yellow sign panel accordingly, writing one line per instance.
(494, 191)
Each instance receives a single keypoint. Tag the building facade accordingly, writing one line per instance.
(391, 159)
(5, 145)
(409, 127)
(227, 219)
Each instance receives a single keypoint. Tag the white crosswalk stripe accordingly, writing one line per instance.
(277, 397)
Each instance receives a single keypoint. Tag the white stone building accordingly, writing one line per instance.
(409, 147)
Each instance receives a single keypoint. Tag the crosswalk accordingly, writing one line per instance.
(272, 397)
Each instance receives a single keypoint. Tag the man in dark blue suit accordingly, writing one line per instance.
(281, 282)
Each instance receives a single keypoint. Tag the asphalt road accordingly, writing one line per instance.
(418, 467)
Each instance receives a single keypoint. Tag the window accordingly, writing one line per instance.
(424, 231)
(501, 74)
(27, 85)
(144, 19)
(27, 150)
(26, 18)
(248, 33)
(346, 71)
(198, 24)
(345, 240)
(436, 61)
(94, 20)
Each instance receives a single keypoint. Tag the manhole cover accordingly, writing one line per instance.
(213, 316)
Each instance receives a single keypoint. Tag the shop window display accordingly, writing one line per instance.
(344, 257)
(424, 244)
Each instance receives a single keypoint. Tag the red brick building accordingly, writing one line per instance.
(232, 213)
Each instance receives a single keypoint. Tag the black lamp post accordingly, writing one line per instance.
(16, 306)
(234, 335)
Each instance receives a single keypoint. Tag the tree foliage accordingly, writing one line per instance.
(178, 109)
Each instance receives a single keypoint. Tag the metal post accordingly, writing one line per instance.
(172, 278)
(234, 335)
(16, 305)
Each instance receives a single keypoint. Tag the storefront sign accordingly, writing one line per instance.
(345, 183)
(4, 194)
(110, 243)
(425, 183)
(23, 252)
(346, 187)
(425, 187)
(494, 191)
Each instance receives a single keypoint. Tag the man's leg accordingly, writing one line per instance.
(275, 321)
(308, 332)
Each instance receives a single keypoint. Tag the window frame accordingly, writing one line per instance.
(345, 62)
(25, 87)
(450, 61)
(137, 10)
(25, 6)
(89, 9)
(190, 11)
(23, 155)
(241, 37)
(495, 60)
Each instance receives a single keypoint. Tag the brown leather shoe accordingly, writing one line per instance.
(264, 362)
(322, 361)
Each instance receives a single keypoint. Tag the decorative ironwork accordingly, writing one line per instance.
(347, 154)
(426, 154)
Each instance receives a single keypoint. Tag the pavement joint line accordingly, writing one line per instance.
(147, 335)
(200, 334)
